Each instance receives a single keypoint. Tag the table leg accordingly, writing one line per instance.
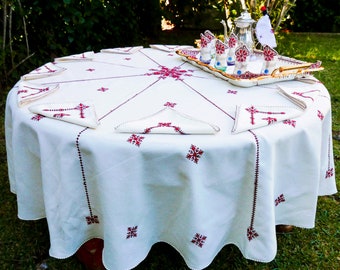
(284, 228)
(90, 254)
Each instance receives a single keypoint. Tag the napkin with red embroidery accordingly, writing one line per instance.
(122, 50)
(167, 121)
(300, 96)
(79, 113)
(86, 56)
(49, 69)
(170, 48)
(250, 117)
(29, 92)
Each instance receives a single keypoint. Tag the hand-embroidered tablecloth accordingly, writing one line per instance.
(195, 192)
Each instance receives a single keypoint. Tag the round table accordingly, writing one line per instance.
(195, 189)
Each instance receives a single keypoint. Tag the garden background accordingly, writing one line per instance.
(36, 31)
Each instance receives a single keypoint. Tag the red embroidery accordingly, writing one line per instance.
(135, 139)
(280, 199)
(37, 117)
(270, 120)
(252, 110)
(38, 91)
(81, 107)
(330, 171)
(232, 92)
(242, 53)
(303, 94)
(92, 219)
(177, 129)
(248, 75)
(131, 232)
(269, 53)
(232, 41)
(60, 115)
(127, 58)
(194, 153)
(102, 89)
(251, 233)
(199, 240)
(220, 47)
(290, 122)
(320, 115)
(170, 104)
(90, 69)
(165, 72)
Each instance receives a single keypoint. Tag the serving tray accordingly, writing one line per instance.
(286, 69)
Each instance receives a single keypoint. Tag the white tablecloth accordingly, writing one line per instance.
(197, 193)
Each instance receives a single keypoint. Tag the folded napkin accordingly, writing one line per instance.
(252, 116)
(86, 56)
(300, 96)
(167, 121)
(123, 50)
(29, 92)
(170, 48)
(80, 113)
(49, 69)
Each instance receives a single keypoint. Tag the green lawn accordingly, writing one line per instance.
(25, 244)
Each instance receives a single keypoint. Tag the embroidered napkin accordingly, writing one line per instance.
(170, 48)
(252, 116)
(168, 121)
(86, 56)
(28, 92)
(122, 50)
(300, 96)
(49, 69)
(80, 113)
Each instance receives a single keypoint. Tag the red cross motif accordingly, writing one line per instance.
(251, 233)
(320, 115)
(90, 69)
(252, 110)
(194, 153)
(290, 122)
(270, 120)
(38, 91)
(92, 219)
(37, 117)
(199, 240)
(280, 199)
(303, 94)
(135, 139)
(60, 115)
(102, 89)
(165, 72)
(81, 108)
(329, 173)
(131, 232)
(170, 104)
(177, 129)
(48, 69)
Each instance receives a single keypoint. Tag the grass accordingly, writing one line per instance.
(24, 244)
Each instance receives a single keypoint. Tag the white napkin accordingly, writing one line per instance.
(300, 96)
(252, 116)
(167, 121)
(79, 113)
(28, 92)
(170, 48)
(49, 69)
(122, 50)
(86, 56)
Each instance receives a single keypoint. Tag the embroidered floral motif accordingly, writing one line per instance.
(177, 129)
(92, 219)
(90, 69)
(290, 122)
(165, 72)
(329, 173)
(170, 104)
(81, 107)
(270, 120)
(102, 89)
(252, 110)
(232, 41)
(199, 240)
(131, 232)
(320, 115)
(251, 233)
(127, 58)
(269, 53)
(242, 53)
(135, 139)
(194, 153)
(37, 117)
(280, 199)
(220, 47)
(232, 92)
